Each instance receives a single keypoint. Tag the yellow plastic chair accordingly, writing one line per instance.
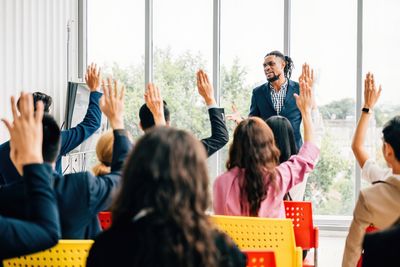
(66, 253)
(263, 233)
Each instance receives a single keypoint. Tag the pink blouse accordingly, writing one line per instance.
(226, 190)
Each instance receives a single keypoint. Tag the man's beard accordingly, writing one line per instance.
(273, 78)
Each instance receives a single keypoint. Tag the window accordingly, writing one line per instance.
(328, 42)
(381, 58)
(248, 33)
(116, 44)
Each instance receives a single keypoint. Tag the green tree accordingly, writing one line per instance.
(339, 109)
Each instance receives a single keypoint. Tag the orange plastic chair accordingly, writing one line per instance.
(260, 258)
(262, 233)
(105, 219)
(369, 229)
(304, 231)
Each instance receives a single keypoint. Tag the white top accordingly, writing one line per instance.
(372, 172)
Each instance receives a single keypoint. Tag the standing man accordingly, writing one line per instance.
(275, 97)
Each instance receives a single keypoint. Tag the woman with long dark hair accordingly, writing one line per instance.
(159, 214)
(255, 182)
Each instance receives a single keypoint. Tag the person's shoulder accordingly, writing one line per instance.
(293, 84)
(5, 146)
(260, 88)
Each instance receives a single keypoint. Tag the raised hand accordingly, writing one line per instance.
(235, 116)
(205, 88)
(26, 132)
(112, 103)
(155, 103)
(93, 77)
(306, 99)
(371, 93)
(307, 74)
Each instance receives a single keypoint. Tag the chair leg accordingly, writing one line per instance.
(315, 257)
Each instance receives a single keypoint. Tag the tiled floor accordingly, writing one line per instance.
(331, 245)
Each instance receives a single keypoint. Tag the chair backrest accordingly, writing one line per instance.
(67, 253)
(301, 215)
(105, 219)
(263, 233)
(260, 258)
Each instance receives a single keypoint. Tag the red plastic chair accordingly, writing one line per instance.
(304, 231)
(369, 229)
(105, 219)
(260, 258)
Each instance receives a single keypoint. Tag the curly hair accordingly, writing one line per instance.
(253, 150)
(289, 65)
(167, 174)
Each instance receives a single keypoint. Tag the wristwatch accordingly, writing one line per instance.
(366, 110)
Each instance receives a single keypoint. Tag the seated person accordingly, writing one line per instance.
(104, 153)
(71, 138)
(159, 214)
(156, 112)
(255, 182)
(378, 204)
(40, 230)
(382, 248)
(80, 196)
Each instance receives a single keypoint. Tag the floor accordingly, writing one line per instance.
(331, 245)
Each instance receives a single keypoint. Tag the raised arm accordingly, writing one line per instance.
(305, 102)
(91, 122)
(371, 96)
(41, 230)
(155, 103)
(219, 133)
(101, 187)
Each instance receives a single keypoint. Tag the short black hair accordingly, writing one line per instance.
(146, 117)
(289, 62)
(284, 136)
(51, 138)
(391, 135)
(39, 96)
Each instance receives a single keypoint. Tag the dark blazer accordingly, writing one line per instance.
(262, 106)
(70, 139)
(219, 133)
(80, 196)
(130, 245)
(382, 248)
(41, 228)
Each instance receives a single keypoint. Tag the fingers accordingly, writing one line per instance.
(7, 124)
(14, 108)
(39, 112)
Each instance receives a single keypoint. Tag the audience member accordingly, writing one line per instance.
(104, 154)
(275, 97)
(40, 230)
(80, 196)
(159, 215)
(70, 138)
(156, 112)
(378, 204)
(255, 182)
(382, 248)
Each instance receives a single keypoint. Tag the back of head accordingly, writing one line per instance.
(284, 136)
(166, 175)
(253, 150)
(39, 96)
(104, 152)
(391, 135)
(51, 139)
(146, 117)
(289, 62)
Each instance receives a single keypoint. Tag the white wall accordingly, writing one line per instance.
(33, 51)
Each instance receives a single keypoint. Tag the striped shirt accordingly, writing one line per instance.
(278, 97)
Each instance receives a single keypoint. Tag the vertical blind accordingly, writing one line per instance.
(33, 51)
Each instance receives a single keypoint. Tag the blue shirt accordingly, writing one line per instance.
(69, 140)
